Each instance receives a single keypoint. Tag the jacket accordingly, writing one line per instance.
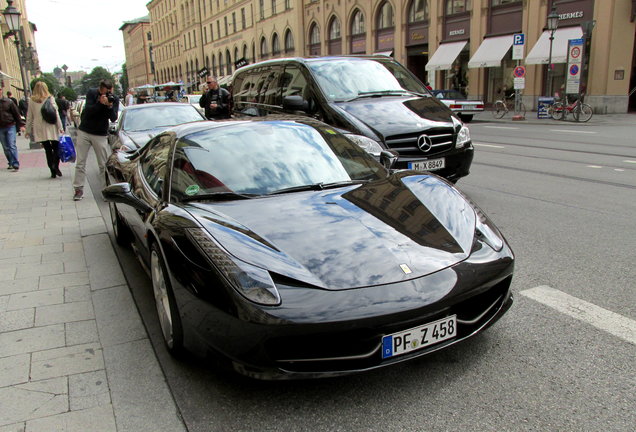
(221, 97)
(37, 127)
(95, 115)
(9, 115)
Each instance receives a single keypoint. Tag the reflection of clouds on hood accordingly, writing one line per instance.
(341, 244)
(448, 206)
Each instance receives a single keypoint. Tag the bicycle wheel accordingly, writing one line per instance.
(499, 109)
(556, 110)
(583, 113)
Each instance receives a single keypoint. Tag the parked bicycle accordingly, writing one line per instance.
(581, 111)
(505, 105)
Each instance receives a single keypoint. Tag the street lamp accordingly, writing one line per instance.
(12, 18)
(553, 24)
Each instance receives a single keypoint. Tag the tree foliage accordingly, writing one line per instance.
(69, 93)
(92, 79)
(51, 82)
(124, 79)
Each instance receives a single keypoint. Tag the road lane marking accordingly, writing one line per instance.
(501, 127)
(594, 166)
(619, 169)
(488, 145)
(630, 161)
(600, 318)
(572, 131)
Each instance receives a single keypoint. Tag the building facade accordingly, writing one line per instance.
(137, 46)
(462, 44)
(14, 69)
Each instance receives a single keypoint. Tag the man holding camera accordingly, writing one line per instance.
(215, 101)
(101, 106)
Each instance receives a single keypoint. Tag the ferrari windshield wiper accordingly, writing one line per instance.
(317, 186)
(218, 196)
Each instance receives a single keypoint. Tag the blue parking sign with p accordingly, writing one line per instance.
(518, 39)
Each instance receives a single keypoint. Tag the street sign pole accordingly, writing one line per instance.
(518, 42)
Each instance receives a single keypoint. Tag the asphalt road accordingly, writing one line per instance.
(562, 359)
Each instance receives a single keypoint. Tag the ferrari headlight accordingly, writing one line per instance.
(486, 231)
(254, 283)
(463, 137)
(367, 144)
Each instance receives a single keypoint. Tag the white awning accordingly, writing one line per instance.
(540, 52)
(490, 52)
(445, 55)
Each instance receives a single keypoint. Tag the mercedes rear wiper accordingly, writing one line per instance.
(317, 186)
(218, 196)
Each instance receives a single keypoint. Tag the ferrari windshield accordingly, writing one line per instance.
(351, 78)
(151, 116)
(268, 157)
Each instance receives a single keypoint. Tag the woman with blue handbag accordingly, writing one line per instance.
(44, 125)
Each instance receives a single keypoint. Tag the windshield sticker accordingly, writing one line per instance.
(192, 190)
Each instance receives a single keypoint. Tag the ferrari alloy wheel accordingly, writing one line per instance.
(165, 303)
(120, 231)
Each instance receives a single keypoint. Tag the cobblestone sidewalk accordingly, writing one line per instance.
(74, 355)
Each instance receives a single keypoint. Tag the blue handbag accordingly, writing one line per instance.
(66, 149)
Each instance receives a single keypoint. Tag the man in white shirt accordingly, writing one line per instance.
(130, 98)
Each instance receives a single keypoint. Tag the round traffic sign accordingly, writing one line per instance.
(519, 72)
(574, 70)
(575, 52)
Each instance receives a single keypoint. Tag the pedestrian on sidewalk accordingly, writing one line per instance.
(41, 131)
(62, 107)
(101, 106)
(10, 120)
(15, 101)
(215, 101)
(130, 97)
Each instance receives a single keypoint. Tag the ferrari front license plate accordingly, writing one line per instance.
(427, 165)
(419, 337)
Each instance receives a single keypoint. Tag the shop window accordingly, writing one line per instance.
(314, 35)
(418, 11)
(357, 23)
(275, 44)
(504, 2)
(457, 6)
(289, 41)
(334, 29)
(263, 47)
(385, 17)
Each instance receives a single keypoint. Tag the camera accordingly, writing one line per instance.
(111, 97)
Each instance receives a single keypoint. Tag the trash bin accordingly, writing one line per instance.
(543, 106)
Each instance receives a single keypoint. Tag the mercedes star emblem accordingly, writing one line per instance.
(424, 143)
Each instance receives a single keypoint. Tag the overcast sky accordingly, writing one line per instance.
(82, 33)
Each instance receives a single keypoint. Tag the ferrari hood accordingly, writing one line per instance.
(401, 228)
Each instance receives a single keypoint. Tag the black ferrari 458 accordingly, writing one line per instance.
(284, 248)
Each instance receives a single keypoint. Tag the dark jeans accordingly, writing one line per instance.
(52, 156)
(7, 137)
(63, 119)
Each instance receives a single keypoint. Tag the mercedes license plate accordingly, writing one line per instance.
(427, 165)
(419, 337)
